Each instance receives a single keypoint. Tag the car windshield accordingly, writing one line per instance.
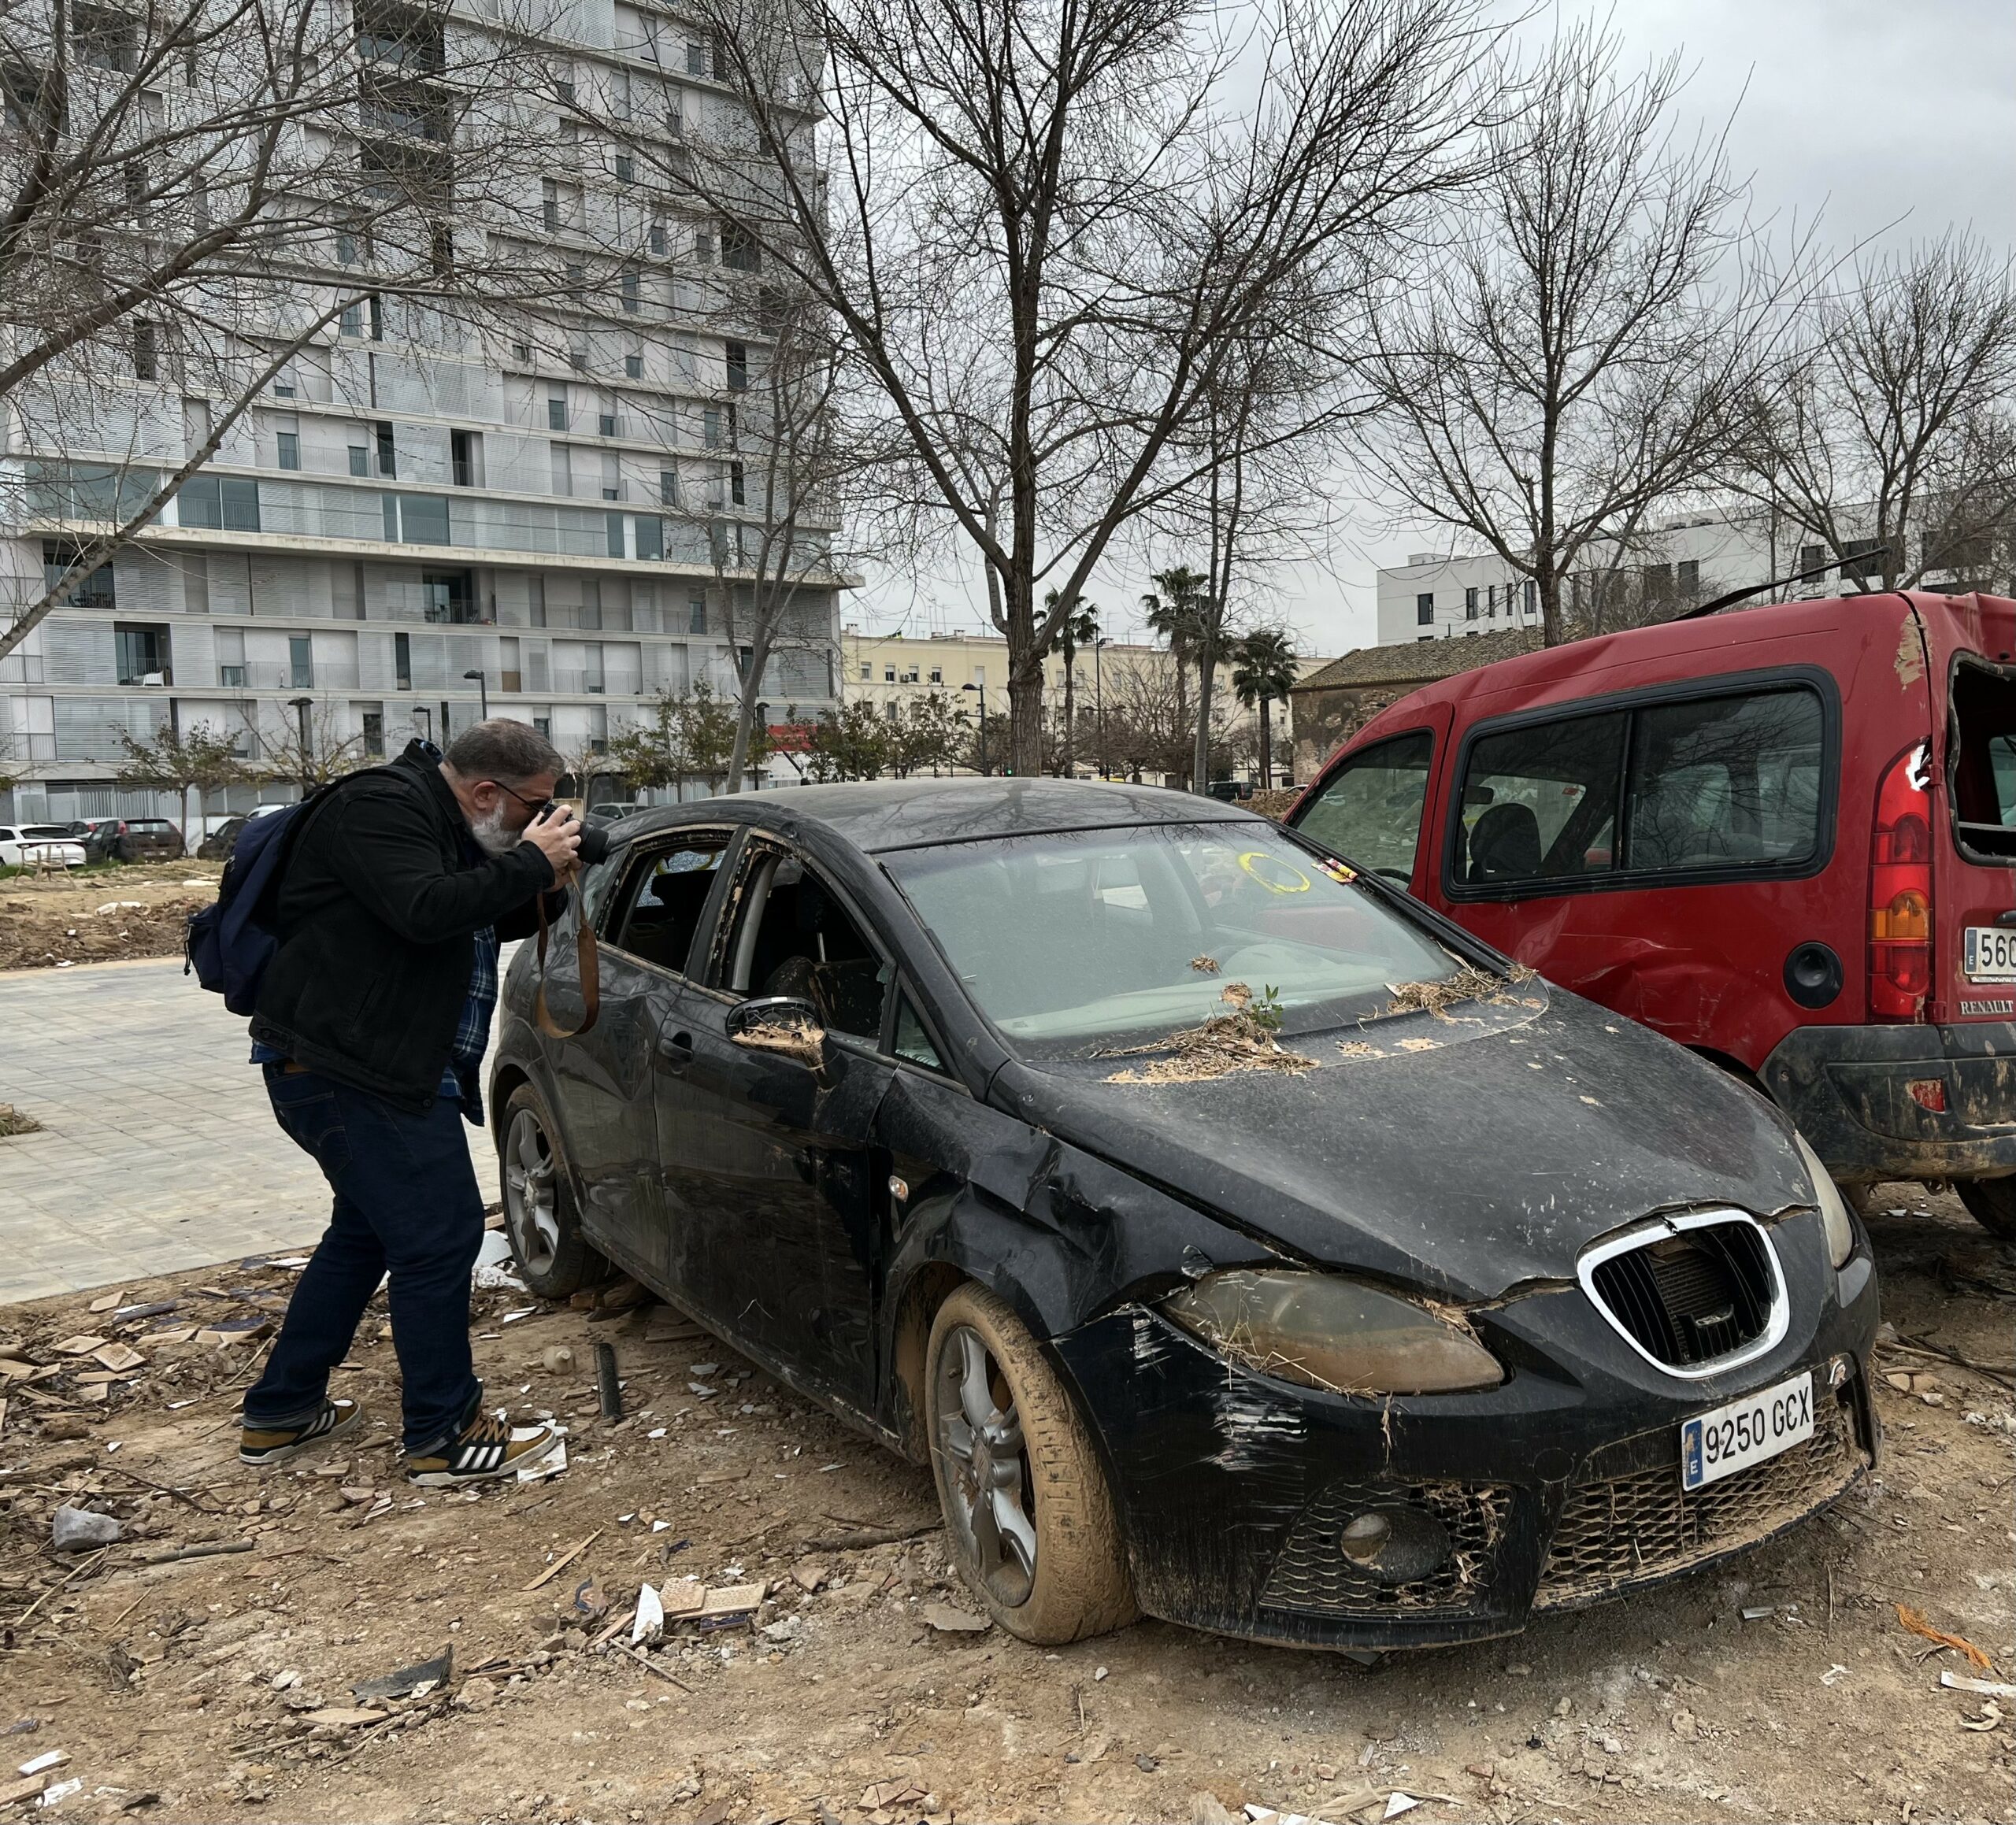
(1110, 935)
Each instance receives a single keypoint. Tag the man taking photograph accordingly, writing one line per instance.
(371, 1025)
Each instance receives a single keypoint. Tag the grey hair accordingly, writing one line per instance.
(508, 752)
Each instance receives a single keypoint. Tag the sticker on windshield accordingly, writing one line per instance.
(1270, 872)
(1336, 870)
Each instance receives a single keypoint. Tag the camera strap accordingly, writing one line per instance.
(588, 959)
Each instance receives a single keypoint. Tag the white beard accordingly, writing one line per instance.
(491, 835)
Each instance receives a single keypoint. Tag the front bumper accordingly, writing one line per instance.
(1848, 1088)
(1552, 1491)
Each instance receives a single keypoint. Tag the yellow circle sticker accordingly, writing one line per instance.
(1272, 873)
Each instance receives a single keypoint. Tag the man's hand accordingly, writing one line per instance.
(556, 835)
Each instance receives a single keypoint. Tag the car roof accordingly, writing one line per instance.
(878, 815)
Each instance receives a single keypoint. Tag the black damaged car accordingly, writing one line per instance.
(1240, 1242)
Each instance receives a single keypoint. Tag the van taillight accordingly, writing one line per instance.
(1900, 890)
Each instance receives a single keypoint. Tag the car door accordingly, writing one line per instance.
(1372, 805)
(769, 1159)
(605, 1079)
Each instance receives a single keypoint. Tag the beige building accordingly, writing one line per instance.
(887, 669)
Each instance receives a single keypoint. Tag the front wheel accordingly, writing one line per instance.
(555, 1258)
(1034, 1529)
(1992, 1203)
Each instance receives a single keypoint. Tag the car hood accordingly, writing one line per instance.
(1468, 1155)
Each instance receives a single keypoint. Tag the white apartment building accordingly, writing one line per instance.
(414, 521)
(1679, 562)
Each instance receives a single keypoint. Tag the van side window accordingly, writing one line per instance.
(1370, 809)
(665, 899)
(1725, 779)
(1540, 803)
(1984, 759)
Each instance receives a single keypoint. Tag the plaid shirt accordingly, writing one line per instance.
(463, 1075)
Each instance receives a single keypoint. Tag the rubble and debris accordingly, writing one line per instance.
(1985, 1688)
(72, 1530)
(565, 1558)
(1915, 1622)
(607, 1386)
(649, 1622)
(415, 1681)
(947, 1620)
(490, 1275)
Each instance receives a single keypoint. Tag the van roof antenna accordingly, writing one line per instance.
(1758, 589)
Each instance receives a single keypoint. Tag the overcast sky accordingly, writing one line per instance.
(1890, 121)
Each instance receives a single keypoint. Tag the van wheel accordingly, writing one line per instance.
(1992, 1203)
(1034, 1531)
(555, 1258)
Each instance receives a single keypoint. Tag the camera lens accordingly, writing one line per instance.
(595, 844)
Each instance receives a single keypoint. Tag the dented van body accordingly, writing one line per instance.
(1400, 1294)
(1785, 836)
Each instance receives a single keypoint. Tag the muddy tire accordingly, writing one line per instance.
(1033, 1528)
(1992, 1203)
(554, 1259)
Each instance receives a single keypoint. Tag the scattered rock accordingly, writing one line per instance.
(944, 1617)
(1685, 1726)
(72, 1529)
(477, 1694)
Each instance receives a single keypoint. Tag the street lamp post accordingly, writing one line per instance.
(1098, 705)
(482, 690)
(301, 706)
(982, 690)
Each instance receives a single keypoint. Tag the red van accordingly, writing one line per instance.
(1784, 836)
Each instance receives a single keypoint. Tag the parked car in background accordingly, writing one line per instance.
(30, 846)
(610, 809)
(135, 839)
(216, 846)
(1239, 1240)
(1785, 836)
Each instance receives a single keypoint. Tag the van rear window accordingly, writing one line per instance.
(1983, 760)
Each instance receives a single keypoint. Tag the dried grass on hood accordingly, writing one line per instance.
(1468, 984)
(1225, 1043)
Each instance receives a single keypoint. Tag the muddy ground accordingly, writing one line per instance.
(219, 1686)
(101, 914)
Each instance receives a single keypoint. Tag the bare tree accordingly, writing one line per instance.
(1048, 222)
(198, 759)
(1887, 434)
(1574, 356)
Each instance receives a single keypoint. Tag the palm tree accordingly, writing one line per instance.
(1178, 607)
(1078, 628)
(1263, 669)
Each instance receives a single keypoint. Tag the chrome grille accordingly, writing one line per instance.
(1616, 1531)
(1693, 1293)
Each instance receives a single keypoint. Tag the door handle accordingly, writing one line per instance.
(676, 1048)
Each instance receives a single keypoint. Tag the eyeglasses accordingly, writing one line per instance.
(538, 808)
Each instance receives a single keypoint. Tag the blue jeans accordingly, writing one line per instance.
(406, 1204)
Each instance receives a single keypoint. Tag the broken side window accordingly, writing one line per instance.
(667, 894)
(1983, 760)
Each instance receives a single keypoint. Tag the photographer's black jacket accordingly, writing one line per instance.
(377, 910)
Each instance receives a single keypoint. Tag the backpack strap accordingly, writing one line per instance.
(586, 958)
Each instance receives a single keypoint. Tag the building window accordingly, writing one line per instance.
(222, 504)
(696, 614)
(633, 367)
(374, 734)
(346, 249)
(231, 677)
(300, 662)
(703, 248)
(351, 322)
(696, 58)
(710, 427)
(613, 533)
(143, 653)
(577, 282)
(146, 356)
(888, 674)
(465, 456)
(867, 672)
(737, 484)
(556, 409)
(1812, 557)
(360, 460)
(739, 252)
(1688, 574)
(388, 459)
(650, 531)
(1425, 609)
(657, 235)
(402, 660)
(630, 282)
(668, 486)
(625, 170)
(937, 675)
(96, 592)
(1469, 604)
(605, 424)
(288, 443)
(1532, 597)
(375, 308)
(549, 206)
(738, 367)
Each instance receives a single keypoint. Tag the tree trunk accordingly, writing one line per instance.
(1266, 743)
(1200, 759)
(751, 681)
(1070, 711)
(1024, 753)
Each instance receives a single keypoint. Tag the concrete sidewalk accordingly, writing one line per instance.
(158, 1151)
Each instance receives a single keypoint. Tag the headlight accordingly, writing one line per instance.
(1834, 1216)
(1331, 1333)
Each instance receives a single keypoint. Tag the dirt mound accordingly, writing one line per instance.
(104, 916)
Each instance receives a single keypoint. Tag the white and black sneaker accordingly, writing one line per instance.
(258, 1445)
(489, 1447)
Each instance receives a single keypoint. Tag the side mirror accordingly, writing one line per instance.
(784, 1024)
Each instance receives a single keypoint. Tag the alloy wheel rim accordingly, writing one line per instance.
(989, 1487)
(530, 1194)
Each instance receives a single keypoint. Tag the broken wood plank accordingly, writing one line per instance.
(564, 1559)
